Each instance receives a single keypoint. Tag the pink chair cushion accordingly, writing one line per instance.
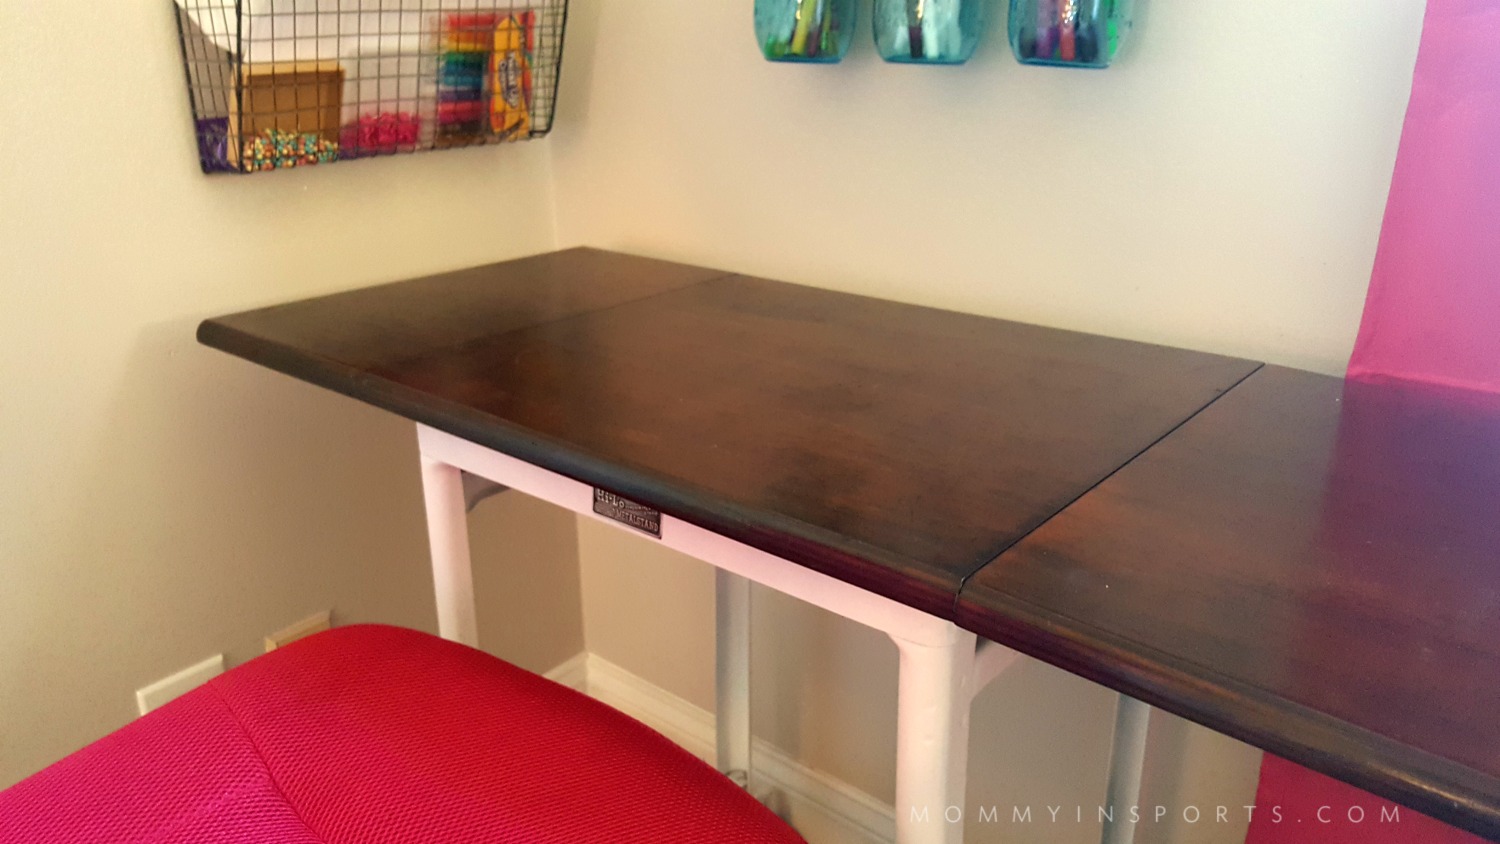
(379, 735)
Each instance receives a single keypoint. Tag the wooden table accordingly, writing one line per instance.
(866, 456)
(1309, 565)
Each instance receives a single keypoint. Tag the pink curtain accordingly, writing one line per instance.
(1433, 311)
(1432, 314)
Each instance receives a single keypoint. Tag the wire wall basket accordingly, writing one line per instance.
(288, 83)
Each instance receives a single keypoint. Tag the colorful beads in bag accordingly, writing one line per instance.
(276, 148)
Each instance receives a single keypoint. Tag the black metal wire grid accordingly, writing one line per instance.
(287, 83)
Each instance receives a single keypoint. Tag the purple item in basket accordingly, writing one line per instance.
(213, 145)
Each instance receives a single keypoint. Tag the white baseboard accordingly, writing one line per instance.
(826, 810)
(574, 673)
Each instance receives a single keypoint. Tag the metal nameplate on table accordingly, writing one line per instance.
(627, 512)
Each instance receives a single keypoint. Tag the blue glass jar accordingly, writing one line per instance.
(1068, 33)
(804, 30)
(928, 31)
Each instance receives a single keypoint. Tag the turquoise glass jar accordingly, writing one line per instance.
(804, 30)
(928, 31)
(1068, 33)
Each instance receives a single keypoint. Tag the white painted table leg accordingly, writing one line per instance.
(932, 737)
(1126, 760)
(732, 674)
(448, 535)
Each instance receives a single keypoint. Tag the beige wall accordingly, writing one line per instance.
(159, 501)
(1220, 189)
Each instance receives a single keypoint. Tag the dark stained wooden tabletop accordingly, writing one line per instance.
(1310, 565)
(896, 447)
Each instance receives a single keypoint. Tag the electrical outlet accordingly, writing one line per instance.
(184, 681)
(306, 627)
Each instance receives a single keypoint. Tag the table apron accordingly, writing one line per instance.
(872, 610)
